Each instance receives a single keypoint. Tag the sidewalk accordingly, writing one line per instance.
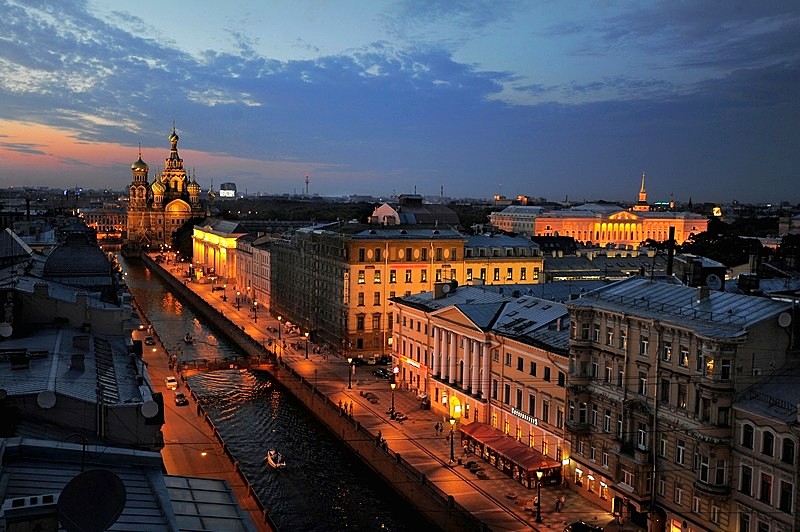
(499, 501)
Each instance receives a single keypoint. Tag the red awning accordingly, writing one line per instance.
(518, 453)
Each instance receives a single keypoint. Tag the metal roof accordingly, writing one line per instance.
(717, 314)
(775, 397)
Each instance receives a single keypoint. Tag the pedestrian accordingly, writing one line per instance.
(558, 504)
(340, 404)
(351, 409)
(562, 500)
(436, 428)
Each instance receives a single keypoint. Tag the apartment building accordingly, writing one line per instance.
(654, 371)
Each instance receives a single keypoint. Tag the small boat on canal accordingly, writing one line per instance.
(275, 459)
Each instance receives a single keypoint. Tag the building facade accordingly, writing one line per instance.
(654, 372)
(156, 210)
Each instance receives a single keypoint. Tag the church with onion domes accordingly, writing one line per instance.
(159, 208)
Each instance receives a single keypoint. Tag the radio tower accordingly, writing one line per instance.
(306, 184)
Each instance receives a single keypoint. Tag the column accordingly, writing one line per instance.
(485, 368)
(453, 358)
(465, 377)
(437, 334)
(476, 362)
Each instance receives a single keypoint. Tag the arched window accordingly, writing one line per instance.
(747, 436)
(787, 453)
(768, 443)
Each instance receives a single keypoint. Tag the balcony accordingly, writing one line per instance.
(713, 490)
(574, 427)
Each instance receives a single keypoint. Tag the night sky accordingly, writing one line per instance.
(555, 99)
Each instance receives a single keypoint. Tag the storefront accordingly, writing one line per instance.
(514, 458)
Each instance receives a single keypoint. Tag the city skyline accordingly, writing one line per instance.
(556, 100)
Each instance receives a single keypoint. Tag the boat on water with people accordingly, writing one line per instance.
(275, 459)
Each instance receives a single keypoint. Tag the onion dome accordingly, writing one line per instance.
(158, 188)
(193, 187)
(174, 137)
(139, 164)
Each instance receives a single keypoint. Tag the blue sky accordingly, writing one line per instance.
(554, 99)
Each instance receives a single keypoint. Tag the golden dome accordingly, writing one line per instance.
(193, 187)
(139, 165)
(158, 188)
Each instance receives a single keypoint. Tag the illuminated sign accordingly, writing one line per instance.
(527, 417)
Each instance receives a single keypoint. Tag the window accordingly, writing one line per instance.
(680, 451)
(506, 393)
(519, 399)
(596, 333)
(361, 276)
(665, 390)
(560, 417)
(510, 274)
(715, 511)
(483, 273)
(469, 274)
(523, 274)
(409, 255)
(609, 336)
(696, 504)
(508, 359)
(392, 276)
(376, 322)
(536, 273)
(584, 331)
(744, 522)
(787, 451)
(608, 372)
(376, 277)
(361, 299)
(520, 364)
(376, 298)
(592, 454)
(684, 357)
(532, 404)
(627, 477)
(439, 254)
(642, 383)
(607, 421)
(723, 414)
(725, 370)
(496, 274)
(623, 340)
(666, 352)
(678, 493)
(605, 459)
(546, 411)
(562, 379)
(748, 436)
(594, 415)
(644, 342)
(408, 276)
(360, 323)
(785, 497)
(619, 425)
(682, 396)
(704, 469)
(663, 446)
(533, 369)
(746, 480)
(547, 374)
(494, 388)
(765, 489)
(423, 275)
(582, 413)
(362, 255)
(768, 443)
(377, 254)
(642, 436)
(720, 475)
(423, 254)
(438, 275)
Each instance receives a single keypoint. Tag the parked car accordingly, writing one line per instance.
(399, 416)
(149, 340)
(358, 361)
(171, 383)
(382, 373)
(581, 526)
(180, 399)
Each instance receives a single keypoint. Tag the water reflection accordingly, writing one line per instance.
(324, 486)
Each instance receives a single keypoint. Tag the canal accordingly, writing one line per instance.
(325, 486)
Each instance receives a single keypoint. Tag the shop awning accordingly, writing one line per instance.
(526, 458)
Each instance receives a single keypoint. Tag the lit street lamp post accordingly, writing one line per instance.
(279, 328)
(224, 288)
(306, 345)
(452, 433)
(238, 299)
(255, 311)
(393, 385)
(539, 497)
(349, 373)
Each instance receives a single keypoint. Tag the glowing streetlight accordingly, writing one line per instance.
(306, 333)
(350, 373)
(238, 299)
(452, 443)
(539, 497)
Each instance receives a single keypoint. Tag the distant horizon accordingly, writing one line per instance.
(543, 99)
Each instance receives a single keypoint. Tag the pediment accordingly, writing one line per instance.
(623, 215)
(178, 205)
(454, 317)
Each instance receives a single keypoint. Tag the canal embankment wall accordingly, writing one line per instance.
(439, 507)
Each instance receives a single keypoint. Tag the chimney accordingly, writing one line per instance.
(702, 293)
(670, 250)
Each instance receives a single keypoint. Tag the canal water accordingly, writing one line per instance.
(324, 487)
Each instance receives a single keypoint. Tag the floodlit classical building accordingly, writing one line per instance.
(654, 372)
(156, 210)
(336, 280)
(496, 365)
(601, 225)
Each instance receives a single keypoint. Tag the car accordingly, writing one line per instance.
(149, 340)
(582, 526)
(180, 399)
(382, 373)
(358, 361)
(171, 383)
(399, 416)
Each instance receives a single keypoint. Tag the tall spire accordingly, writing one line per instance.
(642, 191)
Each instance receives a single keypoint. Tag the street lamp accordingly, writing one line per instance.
(238, 299)
(539, 497)
(393, 384)
(255, 311)
(279, 327)
(224, 288)
(452, 434)
(306, 333)
(350, 373)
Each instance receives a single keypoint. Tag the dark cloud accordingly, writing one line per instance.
(22, 147)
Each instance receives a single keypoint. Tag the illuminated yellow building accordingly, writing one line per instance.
(214, 248)
(601, 225)
(156, 210)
